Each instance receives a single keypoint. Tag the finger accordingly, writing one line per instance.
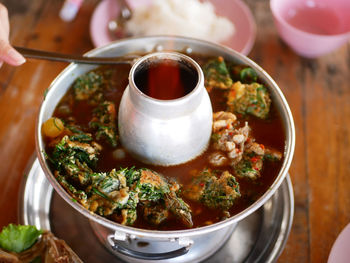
(10, 55)
(4, 20)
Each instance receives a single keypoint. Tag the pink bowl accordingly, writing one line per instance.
(312, 27)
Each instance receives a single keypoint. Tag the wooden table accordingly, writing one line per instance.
(318, 92)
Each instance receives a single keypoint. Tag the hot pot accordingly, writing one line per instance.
(138, 245)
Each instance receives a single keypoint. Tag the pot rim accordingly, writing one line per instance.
(168, 234)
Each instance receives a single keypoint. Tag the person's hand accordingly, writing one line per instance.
(7, 53)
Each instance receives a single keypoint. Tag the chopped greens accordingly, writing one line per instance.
(104, 122)
(78, 134)
(251, 99)
(249, 167)
(155, 213)
(78, 195)
(115, 192)
(245, 96)
(83, 137)
(87, 86)
(75, 159)
(179, 208)
(129, 216)
(248, 75)
(152, 186)
(212, 191)
(217, 75)
(17, 238)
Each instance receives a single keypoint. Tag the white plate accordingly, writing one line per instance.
(235, 10)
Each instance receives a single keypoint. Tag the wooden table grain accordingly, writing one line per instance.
(318, 92)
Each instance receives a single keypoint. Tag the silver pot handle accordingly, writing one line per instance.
(148, 256)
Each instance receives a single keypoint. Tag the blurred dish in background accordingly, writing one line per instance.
(172, 17)
(340, 252)
(242, 40)
(312, 28)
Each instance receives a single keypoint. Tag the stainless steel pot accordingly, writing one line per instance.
(125, 237)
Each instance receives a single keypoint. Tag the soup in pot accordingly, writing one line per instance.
(243, 158)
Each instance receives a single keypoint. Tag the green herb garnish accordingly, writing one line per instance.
(17, 238)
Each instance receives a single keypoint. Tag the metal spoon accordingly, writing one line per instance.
(40, 54)
(116, 26)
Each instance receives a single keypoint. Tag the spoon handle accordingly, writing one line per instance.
(40, 54)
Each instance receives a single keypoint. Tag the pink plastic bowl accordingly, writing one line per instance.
(312, 27)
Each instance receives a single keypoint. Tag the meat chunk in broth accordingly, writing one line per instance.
(227, 140)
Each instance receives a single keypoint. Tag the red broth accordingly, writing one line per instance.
(269, 132)
(166, 80)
